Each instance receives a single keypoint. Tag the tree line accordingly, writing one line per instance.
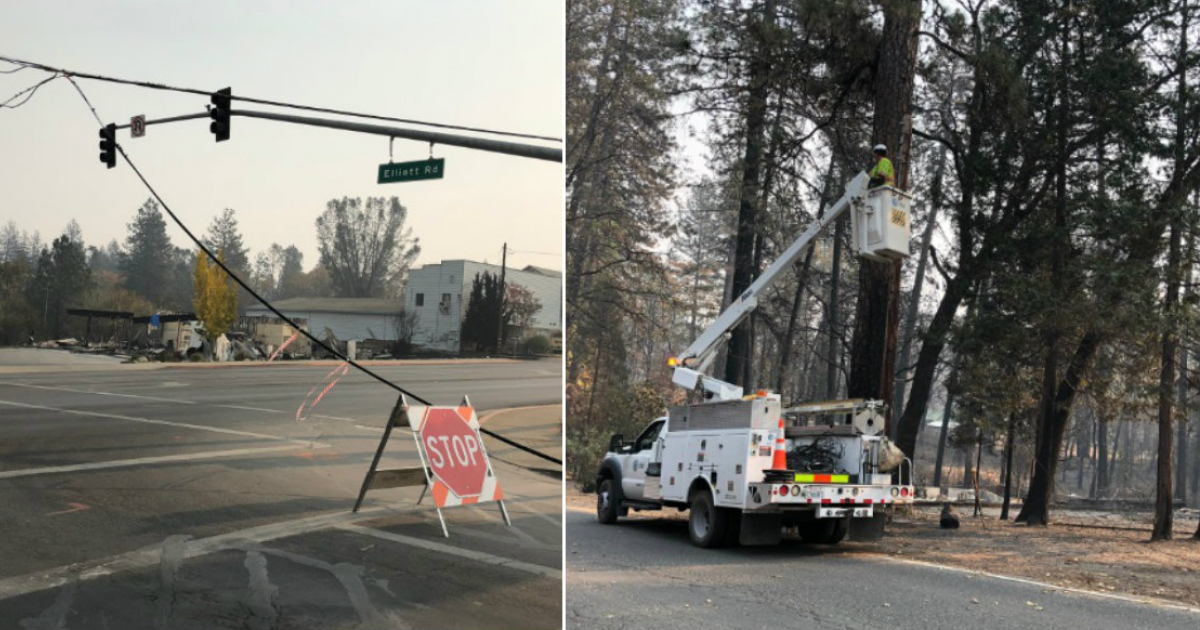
(1053, 147)
(365, 250)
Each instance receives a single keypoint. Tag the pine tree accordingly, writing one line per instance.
(147, 264)
(224, 236)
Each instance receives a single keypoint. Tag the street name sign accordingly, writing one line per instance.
(395, 172)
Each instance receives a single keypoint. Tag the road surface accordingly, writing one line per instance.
(644, 573)
(192, 497)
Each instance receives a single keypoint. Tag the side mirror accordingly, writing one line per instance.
(615, 443)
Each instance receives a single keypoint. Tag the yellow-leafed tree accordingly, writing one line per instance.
(215, 296)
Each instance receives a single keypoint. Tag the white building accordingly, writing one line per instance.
(348, 318)
(438, 293)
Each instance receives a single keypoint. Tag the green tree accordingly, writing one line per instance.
(224, 236)
(148, 264)
(61, 280)
(481, 320)
(366, 246)
(17, 314)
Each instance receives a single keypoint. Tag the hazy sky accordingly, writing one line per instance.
(489, 64)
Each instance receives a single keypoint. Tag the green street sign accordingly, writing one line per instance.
(392, 173)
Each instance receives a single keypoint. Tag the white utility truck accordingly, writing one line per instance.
(745, 466)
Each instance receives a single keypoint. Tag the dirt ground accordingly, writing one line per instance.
(1080, 550)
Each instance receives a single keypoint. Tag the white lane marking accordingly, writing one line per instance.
(142, 461)
(182, 425)
(151, 555)
(517, 532)
(336, 418)
(88, 391)
(477, 556)
(1043, 585)
(488, 416)
(249, 408)
(546, 516)
(525, 540)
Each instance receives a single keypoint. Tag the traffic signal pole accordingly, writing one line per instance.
(467, 142)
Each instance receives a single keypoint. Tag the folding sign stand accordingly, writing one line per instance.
(454, 462)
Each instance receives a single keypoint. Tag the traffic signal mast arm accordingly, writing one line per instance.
(691, 365)
(468, 142)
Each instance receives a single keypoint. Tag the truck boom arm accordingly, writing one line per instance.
(691, 365)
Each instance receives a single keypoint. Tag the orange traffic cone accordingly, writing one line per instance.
(779, 458)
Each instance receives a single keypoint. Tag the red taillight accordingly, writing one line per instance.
(904, 492)
(783, 491)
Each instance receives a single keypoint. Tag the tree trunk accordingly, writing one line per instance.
(978, 463)
(834, 311)
(738, 352)
(1195, 461)
(967, 474)
(873, 349)
(1101, 457)
(914, 299)
(1181, 435)
(1163, 495)
(1036, 510)
(1008, 464)
(951, 387)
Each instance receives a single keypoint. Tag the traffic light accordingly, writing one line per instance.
(108, 145)
(221, 100)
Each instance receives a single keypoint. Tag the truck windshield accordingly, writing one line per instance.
(646, 439)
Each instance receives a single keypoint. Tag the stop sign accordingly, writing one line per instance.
(455, 454)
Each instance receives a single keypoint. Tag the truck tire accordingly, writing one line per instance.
(606, 503)
(840, 527)
(816, 531)
(824, 531)
(707, 524)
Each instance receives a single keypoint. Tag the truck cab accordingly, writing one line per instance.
(622, 477)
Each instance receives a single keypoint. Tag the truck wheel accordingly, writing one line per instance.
(840, 527)
(706, 523)
(817, 531)
(824, 531)
(606, 503)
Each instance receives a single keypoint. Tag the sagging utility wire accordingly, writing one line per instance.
(271, 307)
(262, 101)
(310, 336)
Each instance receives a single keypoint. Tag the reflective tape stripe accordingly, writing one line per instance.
(811, 478)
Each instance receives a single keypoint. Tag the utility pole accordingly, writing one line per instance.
(500, 311)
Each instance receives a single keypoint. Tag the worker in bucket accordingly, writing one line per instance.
(882, 174)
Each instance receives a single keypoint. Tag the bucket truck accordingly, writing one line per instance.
(746, 467)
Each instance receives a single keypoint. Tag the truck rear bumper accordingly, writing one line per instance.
(826, 497)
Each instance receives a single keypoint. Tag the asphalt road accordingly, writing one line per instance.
(192, 497)
(644, 573)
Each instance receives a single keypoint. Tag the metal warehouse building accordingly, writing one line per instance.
(348, 318)
(437, 294)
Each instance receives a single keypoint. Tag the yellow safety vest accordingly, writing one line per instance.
(883, 168)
